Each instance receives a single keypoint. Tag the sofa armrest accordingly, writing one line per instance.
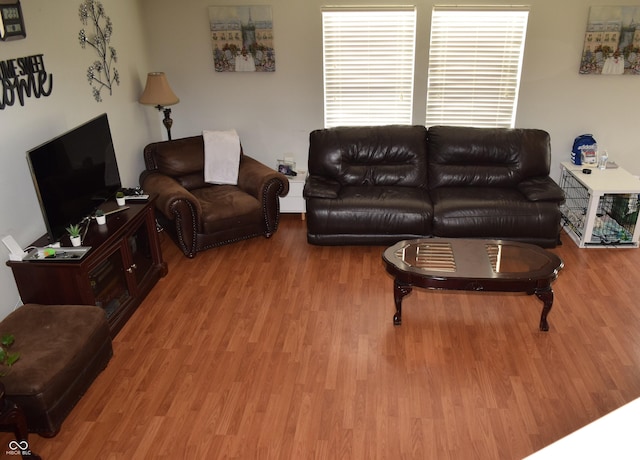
(321, 187)
(541, 188)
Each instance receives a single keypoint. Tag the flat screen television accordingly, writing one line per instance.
(74, 174)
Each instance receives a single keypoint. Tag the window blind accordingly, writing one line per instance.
(368, 61)
(475, 62)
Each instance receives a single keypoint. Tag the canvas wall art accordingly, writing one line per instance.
(242, 38)
(612, 41)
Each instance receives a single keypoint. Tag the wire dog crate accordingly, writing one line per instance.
(600, 209)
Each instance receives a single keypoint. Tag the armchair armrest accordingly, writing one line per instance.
(266, 184)
(321, 187)
(169, 192)
(177, 204)
(541, 188)
(254, 178)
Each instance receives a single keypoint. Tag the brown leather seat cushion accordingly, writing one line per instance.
(227, 206)
(62, 349)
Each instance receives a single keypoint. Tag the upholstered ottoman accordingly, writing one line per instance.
(62, 350)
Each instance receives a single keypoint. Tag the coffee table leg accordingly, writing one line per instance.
(399, 291)
(546, 295)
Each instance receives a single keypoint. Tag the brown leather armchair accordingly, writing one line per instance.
(199, 215)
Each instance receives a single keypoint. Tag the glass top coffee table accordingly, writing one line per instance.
(472, 265)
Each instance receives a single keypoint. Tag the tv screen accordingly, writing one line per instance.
(74, 173)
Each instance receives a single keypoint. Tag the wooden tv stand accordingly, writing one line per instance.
(124, 263)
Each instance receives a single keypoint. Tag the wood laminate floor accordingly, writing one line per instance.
(276, 349)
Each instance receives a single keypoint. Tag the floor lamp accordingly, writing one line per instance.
(158, 93)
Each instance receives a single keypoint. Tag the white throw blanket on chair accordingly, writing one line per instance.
(221, 157)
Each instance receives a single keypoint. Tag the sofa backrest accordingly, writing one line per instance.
(370, 155)
(491, 157)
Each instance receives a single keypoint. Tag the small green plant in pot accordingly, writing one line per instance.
(101, 219)
(7, 359)
(120, 198)
(74, 234)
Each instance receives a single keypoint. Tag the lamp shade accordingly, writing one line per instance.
(157, 91)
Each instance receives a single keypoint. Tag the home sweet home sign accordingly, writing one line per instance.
(24, 77)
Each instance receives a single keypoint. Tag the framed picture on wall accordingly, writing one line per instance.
(242, 38)
(11, 21)
(612, 41)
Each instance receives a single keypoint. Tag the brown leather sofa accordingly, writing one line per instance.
(378, 185)
(199, 215)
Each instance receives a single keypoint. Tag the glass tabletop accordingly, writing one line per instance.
(471, 258)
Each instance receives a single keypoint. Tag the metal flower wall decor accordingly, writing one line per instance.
(101, 74)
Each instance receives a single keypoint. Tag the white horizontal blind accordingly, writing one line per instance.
(475, 62)
(368, 65)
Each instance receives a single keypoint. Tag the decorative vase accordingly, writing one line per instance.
(75, 240)
(101, 220)
(121, 201)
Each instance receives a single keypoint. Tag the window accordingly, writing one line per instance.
(475, 61)
(368, 60)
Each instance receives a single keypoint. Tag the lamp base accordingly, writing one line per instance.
(167, 121)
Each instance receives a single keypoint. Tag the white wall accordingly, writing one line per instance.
(553, 96)
(275, 112)
(52, 29)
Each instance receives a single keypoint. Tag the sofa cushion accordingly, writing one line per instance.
(491, 212)
(227, 206)
(541, 189)
(364, 210)
(321, 187)
(192, 181)
(486, 157)
(381, 155)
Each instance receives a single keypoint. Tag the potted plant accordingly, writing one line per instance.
(74, 234)
(120, 198)
(6, 358)
(100, 217)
